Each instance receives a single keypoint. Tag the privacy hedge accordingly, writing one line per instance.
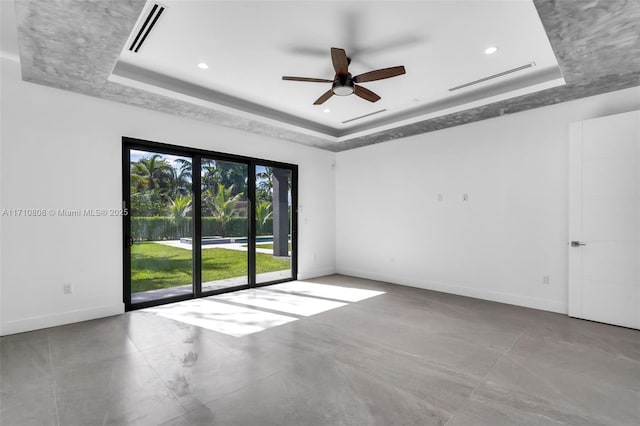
(164, 228)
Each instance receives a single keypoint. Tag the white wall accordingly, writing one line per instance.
(498, 245)
(63, 150)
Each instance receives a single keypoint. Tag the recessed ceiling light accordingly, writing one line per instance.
(490, 50)
(326, 110)
(203, 66)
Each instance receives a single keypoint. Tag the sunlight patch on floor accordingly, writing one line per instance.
(336, 292)
(224, 318)
(281, 302)
(249, 311)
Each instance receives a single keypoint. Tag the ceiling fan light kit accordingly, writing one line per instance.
(343, 84)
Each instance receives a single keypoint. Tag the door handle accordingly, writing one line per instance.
(130, 241)
(577, 244)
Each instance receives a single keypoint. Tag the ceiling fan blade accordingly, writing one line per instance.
(322, 99)
(380, 74)
(312, 80)
(340, 61)
(366, 94)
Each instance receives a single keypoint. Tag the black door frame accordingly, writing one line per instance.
(196, 155)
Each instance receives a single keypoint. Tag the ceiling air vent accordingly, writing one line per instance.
(363, 116)
(491, 77)
(147, 26)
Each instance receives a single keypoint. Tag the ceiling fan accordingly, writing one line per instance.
(344, 84)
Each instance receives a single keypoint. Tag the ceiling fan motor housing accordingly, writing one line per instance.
(343, 85)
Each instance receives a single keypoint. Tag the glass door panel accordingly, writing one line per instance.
(161, 226)
(224, 224)
(201, 222)
(273, 215)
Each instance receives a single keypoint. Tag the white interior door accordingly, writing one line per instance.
(604, 215)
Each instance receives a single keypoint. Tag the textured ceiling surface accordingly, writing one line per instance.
(73, 45)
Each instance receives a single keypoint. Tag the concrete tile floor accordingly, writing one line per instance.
(405, 357)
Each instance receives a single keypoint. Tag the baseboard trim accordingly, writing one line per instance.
(476, 293)
(46, 321)
(307, 275)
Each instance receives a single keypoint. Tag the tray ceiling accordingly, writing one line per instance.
(559, 50)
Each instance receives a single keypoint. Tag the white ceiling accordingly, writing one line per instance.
(249, 46)
(8, 33)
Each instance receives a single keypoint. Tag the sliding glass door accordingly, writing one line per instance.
(274, 225)
(202, 223)
(160, 239)
(225, 224)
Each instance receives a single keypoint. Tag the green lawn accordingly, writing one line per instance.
(156, 266)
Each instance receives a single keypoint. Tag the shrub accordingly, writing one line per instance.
(157, 228)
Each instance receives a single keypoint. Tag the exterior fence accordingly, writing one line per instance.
(166, 228)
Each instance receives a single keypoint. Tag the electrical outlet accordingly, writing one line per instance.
(66, 288)
(546, 279)
(465, 197)
(440, 197)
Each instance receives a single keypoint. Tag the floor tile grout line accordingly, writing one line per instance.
(275, 373)
(483, 379)
(187, 410)
(53, 377)
(502, 355)
(166, 385)
(205, 404)
(430, 362)
(113, 370)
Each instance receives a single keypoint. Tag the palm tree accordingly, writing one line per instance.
(263, 213)
(182, 177)
(210, 175)
(180, 207)
(264, 185)
(223, 204)
(151, 184)
(225, 172)
(233, 175)
(153, 172)
(265, 178)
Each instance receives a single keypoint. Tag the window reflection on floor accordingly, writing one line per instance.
(250, 311)
(221, 317)
(345, 294)
(281, 302)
